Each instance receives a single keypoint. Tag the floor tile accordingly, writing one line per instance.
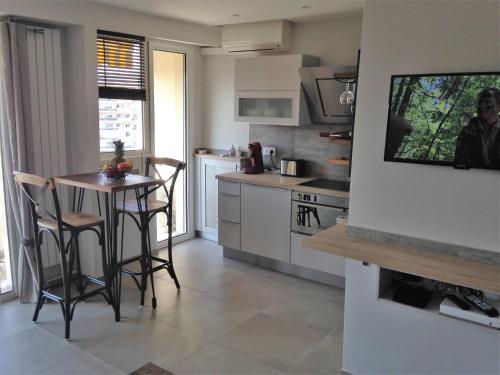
(302, 285)
(150, 342)
(16, 317)
(208, 317)
(32, 350)
(248, 288)
(325, 358)
(204, 277)
(80, 363)
(277, 343)
(93, 323)
(313, 310)
(167, 297)
(216, 359)
(228, 318)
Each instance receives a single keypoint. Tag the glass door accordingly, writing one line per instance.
(168, 83)
(5, 267)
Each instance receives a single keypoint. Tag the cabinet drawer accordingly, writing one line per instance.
(316, 260)
(229, 234)
(231, 188)
(229, 207)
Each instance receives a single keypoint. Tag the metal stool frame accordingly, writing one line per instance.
(145, 215)
(67, 302)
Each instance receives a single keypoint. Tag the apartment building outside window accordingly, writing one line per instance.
(122, 91)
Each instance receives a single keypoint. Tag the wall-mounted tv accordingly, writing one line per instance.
(445, 119)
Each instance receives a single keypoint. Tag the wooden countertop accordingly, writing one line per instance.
(273, 179)
(447, 268)
(217, 157)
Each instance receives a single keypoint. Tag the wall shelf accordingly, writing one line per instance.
(341, 141)
(341, 162)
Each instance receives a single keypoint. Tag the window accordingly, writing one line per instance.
(122, 90)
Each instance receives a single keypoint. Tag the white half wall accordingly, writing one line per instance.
(431, 202)
(336, 42)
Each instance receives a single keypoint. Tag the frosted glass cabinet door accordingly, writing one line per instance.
(208, 196)
(267, 107)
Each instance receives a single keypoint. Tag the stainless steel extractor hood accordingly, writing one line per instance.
(322, 89)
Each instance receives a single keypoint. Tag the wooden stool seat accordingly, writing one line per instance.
(153, 206)
(72, 220)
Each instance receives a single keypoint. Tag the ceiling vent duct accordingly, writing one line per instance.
(257, 36)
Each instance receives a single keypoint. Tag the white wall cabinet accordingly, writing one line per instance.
(268, 90)
(207, 220)
(313, 259)
(265, 221)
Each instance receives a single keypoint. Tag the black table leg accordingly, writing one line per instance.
(112, 222)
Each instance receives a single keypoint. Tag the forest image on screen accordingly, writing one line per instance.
(447, 119)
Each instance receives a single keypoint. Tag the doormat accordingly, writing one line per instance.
(151, 369)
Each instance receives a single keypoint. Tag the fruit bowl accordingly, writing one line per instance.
(117, 172)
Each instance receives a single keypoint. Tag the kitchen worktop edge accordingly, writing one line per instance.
(275, 180)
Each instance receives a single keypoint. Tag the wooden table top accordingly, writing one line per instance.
(97, 181)
(443, 267)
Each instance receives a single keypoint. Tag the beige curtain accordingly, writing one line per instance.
(14, 115)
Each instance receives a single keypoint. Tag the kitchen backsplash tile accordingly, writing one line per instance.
(304, 143)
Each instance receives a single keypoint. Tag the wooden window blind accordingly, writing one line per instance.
(121, 66)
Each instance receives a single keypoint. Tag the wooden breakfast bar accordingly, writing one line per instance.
(422, 339)
(109, 188)
(447, 268)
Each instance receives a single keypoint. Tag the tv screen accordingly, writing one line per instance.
(445, 119)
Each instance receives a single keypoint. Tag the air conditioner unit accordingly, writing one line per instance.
(257, 36)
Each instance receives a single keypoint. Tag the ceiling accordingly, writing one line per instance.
(223, 12)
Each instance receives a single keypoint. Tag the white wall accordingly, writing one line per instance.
(81, 21)
(437, 203)
(334, 41)
(112, 19)
(219, 129)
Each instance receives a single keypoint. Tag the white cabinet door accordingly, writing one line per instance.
(229, 234)
(265, 221)
(207, 205)
(316, 260)
(280, 72)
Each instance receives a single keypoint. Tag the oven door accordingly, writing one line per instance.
(310, 218)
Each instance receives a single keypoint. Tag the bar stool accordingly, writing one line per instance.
(142, 210)
(57, 225)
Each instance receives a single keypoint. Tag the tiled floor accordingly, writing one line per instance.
(228, 318)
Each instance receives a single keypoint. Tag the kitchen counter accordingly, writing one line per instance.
(274, 179)
(443, 267)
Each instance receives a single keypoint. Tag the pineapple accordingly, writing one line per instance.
(119, 151)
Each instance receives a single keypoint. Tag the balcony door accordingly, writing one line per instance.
(169, 115)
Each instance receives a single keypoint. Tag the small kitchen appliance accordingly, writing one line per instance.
(293, 167)
(255, 156)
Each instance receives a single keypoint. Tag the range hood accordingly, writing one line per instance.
(322, 87)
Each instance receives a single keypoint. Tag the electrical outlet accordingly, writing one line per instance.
(267, 150)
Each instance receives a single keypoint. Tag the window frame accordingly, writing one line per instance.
(147, 132)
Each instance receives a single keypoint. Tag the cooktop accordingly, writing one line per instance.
(324, 183)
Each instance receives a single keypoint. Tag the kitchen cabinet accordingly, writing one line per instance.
(268, 90)
(229, 214)
(207, 220)
(265, 221)
(313, 259)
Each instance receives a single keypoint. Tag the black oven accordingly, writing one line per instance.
(312, 213)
